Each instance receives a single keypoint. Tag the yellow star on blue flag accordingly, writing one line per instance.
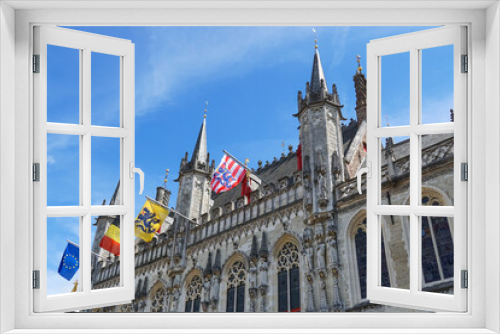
(70, 262)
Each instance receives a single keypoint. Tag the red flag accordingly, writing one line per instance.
(227, 176)
(299, 157)
(246, 188)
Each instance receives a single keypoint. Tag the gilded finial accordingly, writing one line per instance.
(205, 111)
(358, 59)
(315, 39)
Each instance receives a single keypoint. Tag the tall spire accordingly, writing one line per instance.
(318, 82)
(200, 153)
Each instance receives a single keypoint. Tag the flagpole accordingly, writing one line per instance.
(248, 169)
(172, 209)
(77, 245)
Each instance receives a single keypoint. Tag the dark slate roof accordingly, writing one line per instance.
(275, 171)
(348, 133)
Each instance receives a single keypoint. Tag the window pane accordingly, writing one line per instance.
(105, 90)
(395, 89)
(437, 254)
(438, 170)
(106, 252)
(240, 304)
(230, 300)
(196, 307)
(188, 306)
(282, 291)
(63, 170)
(360, 243)
(395, 248)
(63, 85)
(385, 278)
(63, 255)
(437, 84)
(294, 290)
(395, 170)
(105, 170)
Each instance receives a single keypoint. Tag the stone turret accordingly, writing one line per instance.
(193, 199)
(194, 177)
(320, 116)
(360, 87)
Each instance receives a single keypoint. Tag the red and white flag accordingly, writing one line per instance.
(227, 176)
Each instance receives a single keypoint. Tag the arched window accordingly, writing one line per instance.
(288, 279)
(158, 300)
(437, 245)
(360, 247)
(236, 288)
(193, 293)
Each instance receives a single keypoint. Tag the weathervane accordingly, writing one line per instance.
(166, 178)
(315, 38)
(358, 59)
(206, 107)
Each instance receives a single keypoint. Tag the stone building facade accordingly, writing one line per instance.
(300, 244)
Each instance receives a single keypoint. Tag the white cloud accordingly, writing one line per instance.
(51, 160)
(437, 109)
(339, 41)
(177, 63)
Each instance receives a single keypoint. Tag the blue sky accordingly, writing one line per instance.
(250, 77)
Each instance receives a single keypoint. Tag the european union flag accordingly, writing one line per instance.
(70, 262)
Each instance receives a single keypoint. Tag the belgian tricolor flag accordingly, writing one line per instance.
(111, 239)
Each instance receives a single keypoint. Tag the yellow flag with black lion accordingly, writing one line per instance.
(149, 220)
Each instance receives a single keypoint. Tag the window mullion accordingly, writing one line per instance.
(85, 168)
(415, 180)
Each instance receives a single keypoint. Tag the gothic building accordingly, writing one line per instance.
(300, 244)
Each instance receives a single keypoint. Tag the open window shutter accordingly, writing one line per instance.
(85, 296)
(422, 257)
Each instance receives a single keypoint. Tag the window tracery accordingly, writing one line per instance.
(193, 295)
(236, 288)
(158, 300)
(288, 279)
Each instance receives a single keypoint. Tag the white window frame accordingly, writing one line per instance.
(484, 102)
(86, 44)
(413, 43)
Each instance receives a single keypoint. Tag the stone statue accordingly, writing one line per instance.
(206, 289)
(253, 275)
(307, 190)
(215, 288)
(320, 252)
(306, 168)
(333, 252)
(322, 187)
(177, 296)
(310, 257)
(319, 162)
(263, 273)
